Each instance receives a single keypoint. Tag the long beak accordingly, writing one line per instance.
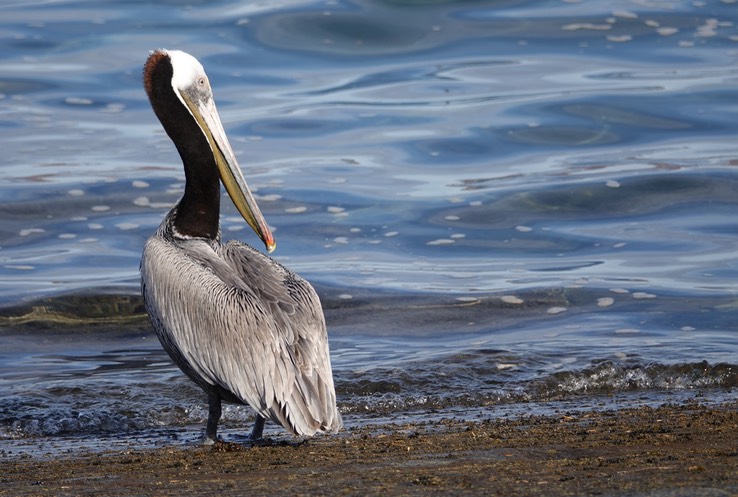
(207, 117)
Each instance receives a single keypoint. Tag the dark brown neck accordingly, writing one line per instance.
(198, 212)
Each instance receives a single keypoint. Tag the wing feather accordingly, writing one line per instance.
(233, 317)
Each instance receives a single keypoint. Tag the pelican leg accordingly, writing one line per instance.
(258, 428)
(214, 411)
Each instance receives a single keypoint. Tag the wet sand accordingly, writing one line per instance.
(672, 450)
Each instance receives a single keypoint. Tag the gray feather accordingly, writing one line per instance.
(237, 321)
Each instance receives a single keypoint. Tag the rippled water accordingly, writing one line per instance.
(505, 206)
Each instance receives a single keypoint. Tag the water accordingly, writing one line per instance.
(507, 207)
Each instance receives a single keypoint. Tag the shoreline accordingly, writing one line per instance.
(685, 449)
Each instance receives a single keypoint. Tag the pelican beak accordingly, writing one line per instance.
(206, 115)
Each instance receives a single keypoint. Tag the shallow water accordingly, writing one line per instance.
(505, 206)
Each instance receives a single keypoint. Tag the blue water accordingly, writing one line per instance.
(506, 206)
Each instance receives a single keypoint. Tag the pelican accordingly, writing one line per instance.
(240, 325)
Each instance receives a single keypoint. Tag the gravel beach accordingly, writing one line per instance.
(687, 449)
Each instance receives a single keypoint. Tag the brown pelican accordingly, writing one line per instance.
(242, 326)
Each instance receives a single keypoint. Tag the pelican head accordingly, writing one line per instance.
(180, 94)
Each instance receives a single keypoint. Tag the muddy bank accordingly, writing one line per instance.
(671, 450)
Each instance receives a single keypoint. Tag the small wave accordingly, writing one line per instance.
(476, 386)
(63, 421)
(609, 377)
(485, 384)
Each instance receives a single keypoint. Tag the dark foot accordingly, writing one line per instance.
(208, 440)
(258, 429)
(211, 430)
